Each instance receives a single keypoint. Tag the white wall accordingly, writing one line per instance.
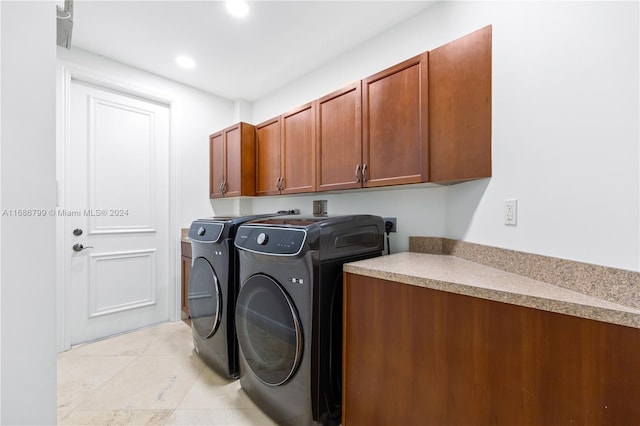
(27, 175)
(565, 130)
(423, 208)
(565, 133)
(199, 114)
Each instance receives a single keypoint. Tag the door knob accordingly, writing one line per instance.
(80, 247)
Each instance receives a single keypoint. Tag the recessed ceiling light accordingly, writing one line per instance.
(239, 8)
(185, 62)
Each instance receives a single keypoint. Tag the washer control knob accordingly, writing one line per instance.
(262, 238)
(201, 231)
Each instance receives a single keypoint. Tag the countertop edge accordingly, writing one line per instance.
(626, 316)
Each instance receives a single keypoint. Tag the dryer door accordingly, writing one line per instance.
(268, 329)
(205, 298)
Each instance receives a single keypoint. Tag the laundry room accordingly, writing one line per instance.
(246, 219)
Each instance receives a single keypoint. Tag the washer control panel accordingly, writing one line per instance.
(271, 240)
(205, 232)
(262, 239)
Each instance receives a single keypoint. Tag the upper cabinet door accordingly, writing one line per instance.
(233, 157)
(268, 141)
(395, 117)
(232, 162)
(339, 139)
(216, 165)
(240, 160)
(460, 108)
(298, 150)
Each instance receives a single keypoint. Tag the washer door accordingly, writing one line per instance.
(268, 330)
(205, 298)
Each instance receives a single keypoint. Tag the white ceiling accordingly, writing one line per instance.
(237, 59)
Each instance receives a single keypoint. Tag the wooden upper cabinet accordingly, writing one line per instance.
(241, 166)
(339, 139)
(460, 108)
(426, 119)
(286, 153)
(232, 162)
(217, 164)
(268, 142)
(394, 124)
(298, 150)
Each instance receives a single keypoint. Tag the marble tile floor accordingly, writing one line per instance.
(148, 377)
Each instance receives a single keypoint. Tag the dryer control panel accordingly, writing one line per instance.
(205, 232)
(271, 240)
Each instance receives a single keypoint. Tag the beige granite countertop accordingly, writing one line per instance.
(456, 275)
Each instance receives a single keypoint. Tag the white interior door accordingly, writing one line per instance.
(117, 213)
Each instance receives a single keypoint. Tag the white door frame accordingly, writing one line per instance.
(65, 74)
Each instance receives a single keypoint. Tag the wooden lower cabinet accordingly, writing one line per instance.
(186, 260)
(416, 356)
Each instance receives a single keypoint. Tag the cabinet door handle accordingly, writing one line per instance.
(224, 186)
(278, 184)
(364, 173)
(221, 187)
(281, 183)
(358, 173)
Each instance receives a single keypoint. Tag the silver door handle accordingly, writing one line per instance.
(358, 173)
(364, 173)
(80, 247)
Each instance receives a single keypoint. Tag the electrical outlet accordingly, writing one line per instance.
(320, 207)
(511, 212)
(393, 223)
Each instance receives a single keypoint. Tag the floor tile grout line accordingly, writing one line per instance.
(94, 390)
(168, 415)
(135, 357)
